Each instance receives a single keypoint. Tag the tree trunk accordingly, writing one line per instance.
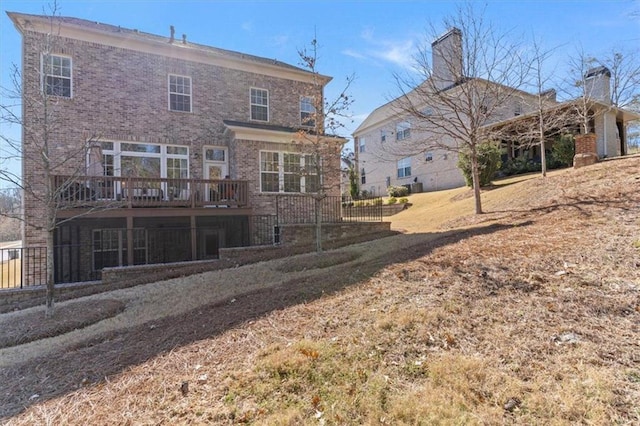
(543, 158)
(543, 154)
(475, 175)
(50, 275)
(318, 224)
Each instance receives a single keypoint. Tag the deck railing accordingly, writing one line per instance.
(91, 191)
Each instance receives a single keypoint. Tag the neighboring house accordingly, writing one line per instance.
(186, 147)
(608, 122)
(381, 163)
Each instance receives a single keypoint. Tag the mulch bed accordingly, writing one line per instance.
(27, 326)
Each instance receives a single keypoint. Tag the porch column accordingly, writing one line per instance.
(586, 151)
(129, 240)
(194, 245)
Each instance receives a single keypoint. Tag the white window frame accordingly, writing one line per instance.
(281, 171)
(180, 93)
(404, 167)
(163, 155)
(403, 130)
(258, 105)
(307, 107)
(222, 149)
(361, 144)
(46, 71)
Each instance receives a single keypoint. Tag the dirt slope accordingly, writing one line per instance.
(527, 314)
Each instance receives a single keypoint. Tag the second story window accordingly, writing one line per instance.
(259, 104)
(179, 93)
(403, 131)
(57, 75)
(361, 144)
(307, 112)
(517, 110)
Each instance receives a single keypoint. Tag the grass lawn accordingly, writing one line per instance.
(10, 273)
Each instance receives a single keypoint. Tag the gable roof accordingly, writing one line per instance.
(390, 110)
(93, 31)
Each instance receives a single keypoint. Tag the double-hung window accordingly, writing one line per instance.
(404, 167)
(259, 104)
(307, 112)
(57, 75)
(269, 171)
(361, 144)
(179, 93)
(288, 172)
(403, 130)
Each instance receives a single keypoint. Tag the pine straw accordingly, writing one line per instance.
(531, 317)
(26, 326)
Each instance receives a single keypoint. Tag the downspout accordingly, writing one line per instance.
(604, 138)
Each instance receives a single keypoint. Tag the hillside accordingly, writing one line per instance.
(528, 314)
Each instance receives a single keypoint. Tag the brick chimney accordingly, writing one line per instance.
(597, 84)
(446, 53)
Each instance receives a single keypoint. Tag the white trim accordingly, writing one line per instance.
(251, 104)
(118, 153)
(274, 136)
(169, 92)
(44, 74)
(215, 147)
(281, 172)
(309, 102)
(406, 164)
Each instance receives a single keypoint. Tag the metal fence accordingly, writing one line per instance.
(300, 209)
(79, 261)
(22, 267)
(83, 260)
(362, 210)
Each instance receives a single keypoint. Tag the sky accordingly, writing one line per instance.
(372, 40)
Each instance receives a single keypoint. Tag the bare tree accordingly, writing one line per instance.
(467, 79)
(623, 68)
(10, 213)
(320, 127)
(545, 118)
(52, 178)
(625, 77)
(601, 84)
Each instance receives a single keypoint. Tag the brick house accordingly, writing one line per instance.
(164, 150)
(381, 164)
